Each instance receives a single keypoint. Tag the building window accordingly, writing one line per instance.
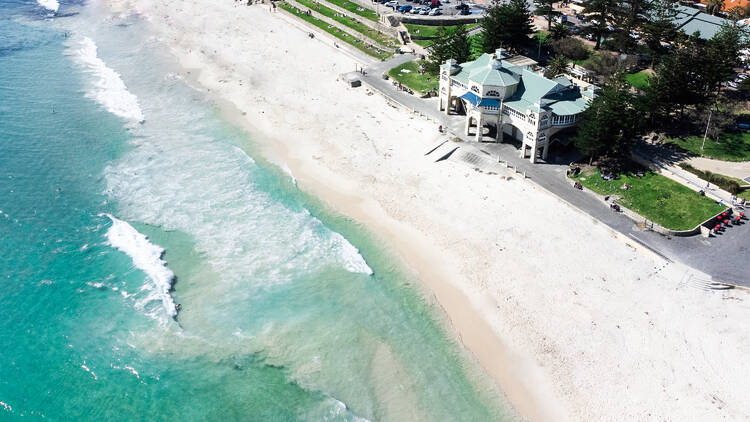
(514, 113)
(544, 117)
(492, 93)
(563, 120)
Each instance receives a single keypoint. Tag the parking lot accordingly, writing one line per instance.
(427, 8)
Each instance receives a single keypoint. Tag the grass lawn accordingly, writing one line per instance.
(343, 36)
(379, 37)
(423, 43)
(412, 78)
(731, 146)
(655, 197)
(356, 8)
(430, 31)
(638, 79)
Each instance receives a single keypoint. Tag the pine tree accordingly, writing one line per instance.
(546, 8)
(521, 24)
(599, 13)
(610, 123)
(459, 44)
(659, 28)
(440, 51)
(506, 25)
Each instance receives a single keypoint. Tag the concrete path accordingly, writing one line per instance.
(352, 33)
(740, 170)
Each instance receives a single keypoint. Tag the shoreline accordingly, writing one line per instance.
(512, 320)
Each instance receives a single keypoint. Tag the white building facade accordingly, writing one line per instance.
(505, 93)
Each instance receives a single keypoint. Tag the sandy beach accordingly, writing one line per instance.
(571, 321)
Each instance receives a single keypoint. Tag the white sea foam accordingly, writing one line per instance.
(52, 5)
(6, 406)
(288, 171)
(108, 88)
(205, 189)
(127, 368)
(86, 368)
(353, 260)
(146, 257)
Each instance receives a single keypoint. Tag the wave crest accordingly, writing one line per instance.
(52, 5)
(108, 88)
(146, 257)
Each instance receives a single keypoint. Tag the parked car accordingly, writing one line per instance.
(405, 8)
(416, 10)
(392, 3)
(462, 6)
(425, 11)
(464, 12)
(561, 18)
(436, 12)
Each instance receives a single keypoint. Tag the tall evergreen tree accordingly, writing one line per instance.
(440, 50)
(610, 123)
(546, 8)
(599, 13)
(449, 44)
(659, 27)
(506, 25)
(681, 80)
(522, 25)
(459, 44)
(723, 52)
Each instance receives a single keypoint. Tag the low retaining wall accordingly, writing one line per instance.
(439, 21)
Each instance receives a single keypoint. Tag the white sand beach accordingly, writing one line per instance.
(572, 322)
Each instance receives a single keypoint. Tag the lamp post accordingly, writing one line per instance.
(707, 124)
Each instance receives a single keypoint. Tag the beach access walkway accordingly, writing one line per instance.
(723, 257)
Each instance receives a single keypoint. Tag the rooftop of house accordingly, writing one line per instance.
(532, 90)
(692, 20)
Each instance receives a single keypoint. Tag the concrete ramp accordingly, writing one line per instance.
(443, 150)
(475, 159)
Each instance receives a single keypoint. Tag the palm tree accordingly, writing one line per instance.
(556, 66)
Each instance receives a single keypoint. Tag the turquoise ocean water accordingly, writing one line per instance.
(288, 312)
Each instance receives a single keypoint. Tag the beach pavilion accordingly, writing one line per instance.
(506, 93)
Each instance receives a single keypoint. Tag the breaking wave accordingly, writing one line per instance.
(52, 5)
(146, 257)
(108, 88)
